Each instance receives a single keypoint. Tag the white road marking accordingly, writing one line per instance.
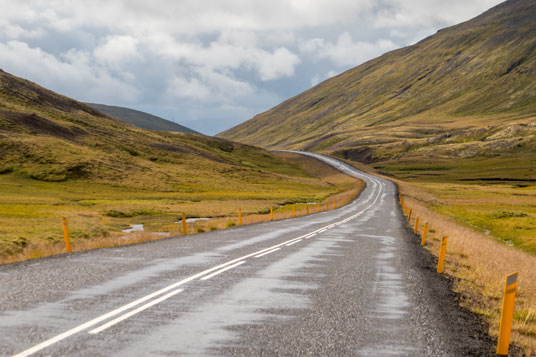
(134, 312)
(119, 310)
(268, 252)
(222, 270)
(310, 236)
(296, 241)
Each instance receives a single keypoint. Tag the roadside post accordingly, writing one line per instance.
(271, 213)
(409, 214)
(66, 234)
(442, 252)
(319, 207)
(507, 313)
(424, 234)
(184, 224)
(416, 229)
(239, 217)
(293, 211)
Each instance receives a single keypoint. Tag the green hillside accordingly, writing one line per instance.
(60, 158)
(141, 119)
(467, 91)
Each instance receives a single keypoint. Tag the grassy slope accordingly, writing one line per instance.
(477, 74)
(141, 119)
(458, 108)
(63, 158)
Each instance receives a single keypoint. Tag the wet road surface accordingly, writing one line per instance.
(350, 281)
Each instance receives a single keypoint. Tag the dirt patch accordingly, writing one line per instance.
(363, 155)
(39, 125)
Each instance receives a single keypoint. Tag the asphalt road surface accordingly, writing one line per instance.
(350, 281)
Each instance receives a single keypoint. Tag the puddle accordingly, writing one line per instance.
(189, 220)
(134, 228)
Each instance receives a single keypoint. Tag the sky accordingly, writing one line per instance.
(207, 64)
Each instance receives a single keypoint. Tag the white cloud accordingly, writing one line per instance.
(208, 54)
(346, 52)
(278, 64)
(73, 73)
(116, 50)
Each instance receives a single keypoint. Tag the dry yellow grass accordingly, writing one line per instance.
(39, 249)
(477, 266)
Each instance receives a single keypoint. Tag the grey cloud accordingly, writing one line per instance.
(213, 63)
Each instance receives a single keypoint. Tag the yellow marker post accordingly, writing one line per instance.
(318, 207)
(424, 234)
(507, 313)
(239, 217)
(271, 213)
(184, 224)
(307, 207)
(442, 252)
(66, 235)
(409, 214)
(416, 229)
(293, 211)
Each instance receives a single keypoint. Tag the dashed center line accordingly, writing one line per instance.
(134, 312)
(201, 276)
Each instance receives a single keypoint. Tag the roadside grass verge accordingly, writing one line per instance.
(477, 265)
(31, 210)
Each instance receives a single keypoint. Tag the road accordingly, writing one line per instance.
(350, 281)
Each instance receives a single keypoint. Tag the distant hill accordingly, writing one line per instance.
(467, 91)
(49, 137)
(141, 119)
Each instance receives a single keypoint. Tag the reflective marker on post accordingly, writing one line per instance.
(442, 252)
(424, 234)
(66, 235)
(507, 313)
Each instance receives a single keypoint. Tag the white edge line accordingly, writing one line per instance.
(268, 252)
(222, 270)
(134, 312)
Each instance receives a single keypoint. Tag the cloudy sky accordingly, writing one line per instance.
(207, 64)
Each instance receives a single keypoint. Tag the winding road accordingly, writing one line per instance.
(350, 281)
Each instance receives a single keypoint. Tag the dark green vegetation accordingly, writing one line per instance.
(141, 119)
(60, 158)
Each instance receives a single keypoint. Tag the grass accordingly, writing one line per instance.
(31, 210)
(490, 225)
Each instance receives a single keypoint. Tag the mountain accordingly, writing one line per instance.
(52, 138)
(467, 91)
(141, 119)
